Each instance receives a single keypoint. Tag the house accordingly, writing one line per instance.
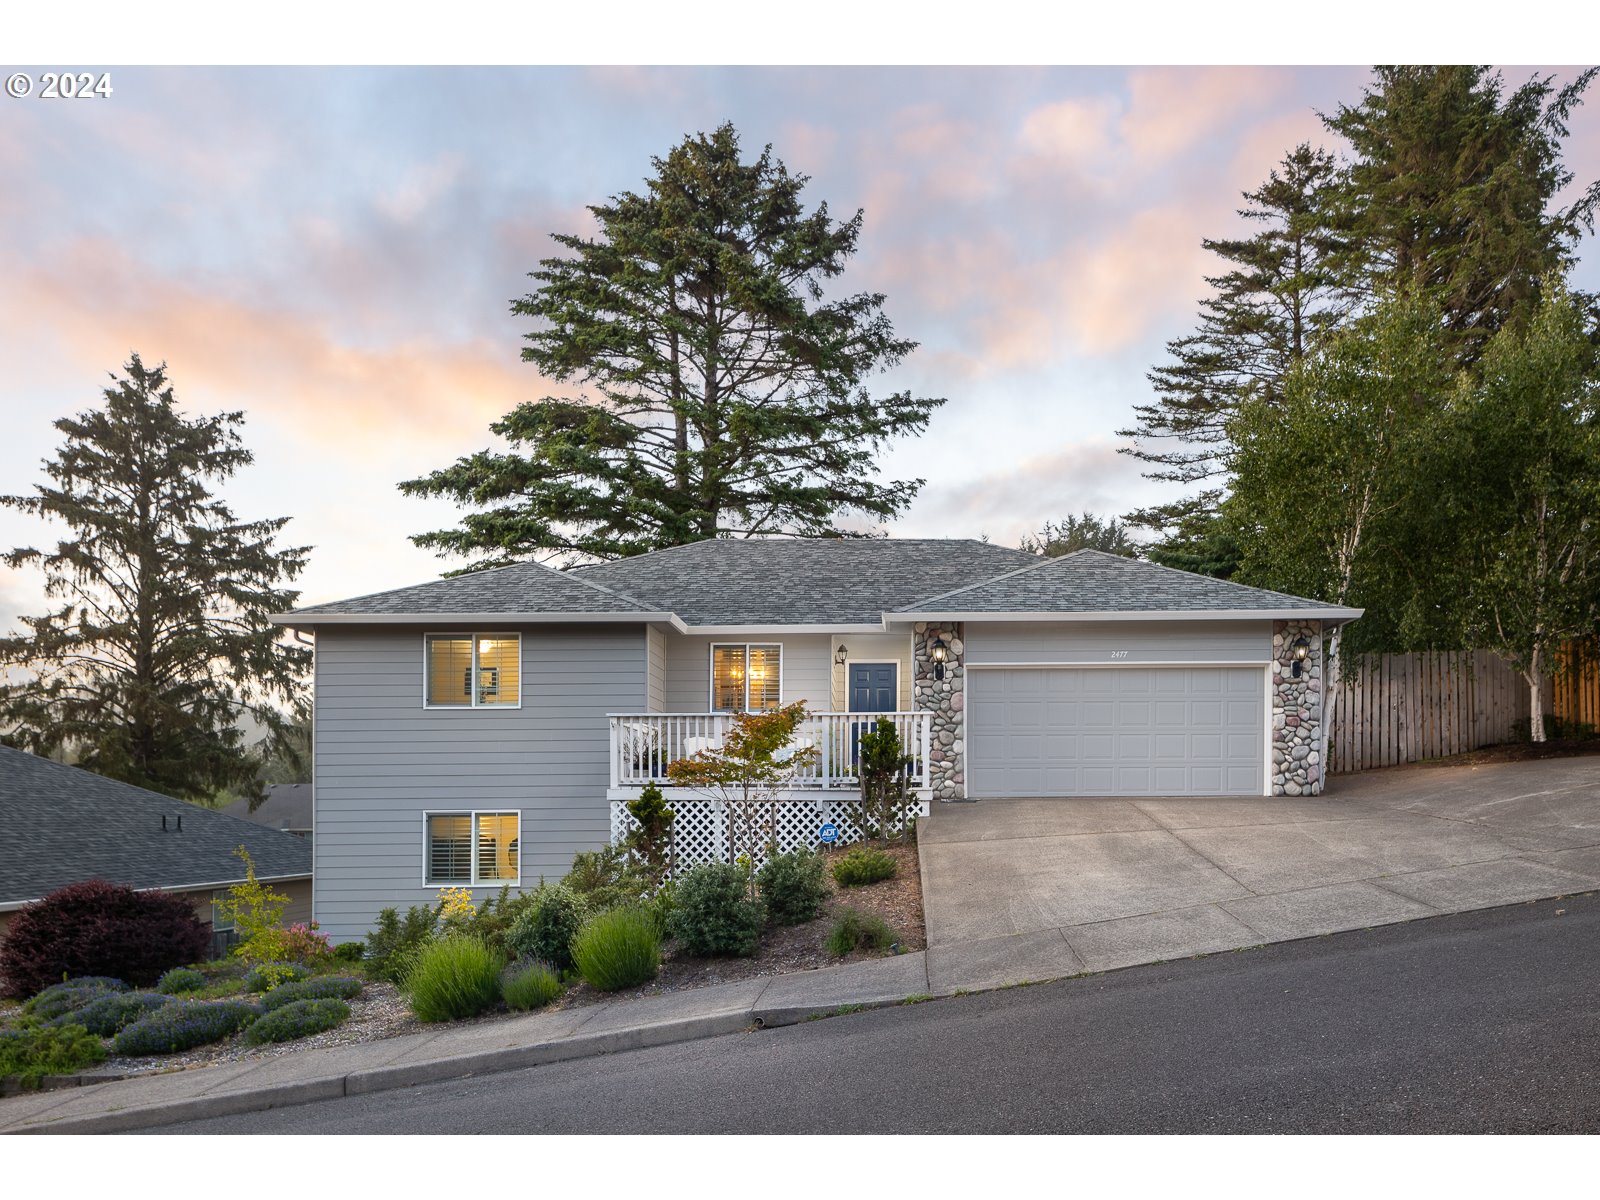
(476, 731)
(287, 807)
(61, 825)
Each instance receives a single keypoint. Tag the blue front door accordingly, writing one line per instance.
(874, 687)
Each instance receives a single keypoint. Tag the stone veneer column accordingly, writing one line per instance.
(1297, 768)
(946, 699)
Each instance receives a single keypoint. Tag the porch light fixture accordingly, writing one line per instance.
(939, 652)
(840, 655)
(1302, 651)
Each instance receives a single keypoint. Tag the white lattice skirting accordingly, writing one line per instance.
(700, 830)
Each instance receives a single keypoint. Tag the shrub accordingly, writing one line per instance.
(99, 928)
(650, 840)
(256, 912)
(297, 1020)
(183, 1025)
(713, 915)
(113, 1011)
(181, 979)
(324, 987)
(71, 995)
(31, 1054)
(349, 952)
(263, 977)
(858, 931)
(530, 985)
(393, 946)
(301, 943)
(862, 865)
(546, 928)
(793, 887)
(454, 977)
(618, 949)
(607, 878)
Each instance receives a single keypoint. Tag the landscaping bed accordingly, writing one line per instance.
(1519, 752)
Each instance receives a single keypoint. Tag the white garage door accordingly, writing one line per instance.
(1116, 731)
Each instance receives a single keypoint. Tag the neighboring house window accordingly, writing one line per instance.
(465, 849)
(221, 921)
(474, 670)
(745, 678)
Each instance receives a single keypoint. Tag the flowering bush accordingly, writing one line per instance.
(106, 1016)
(456, 907)
(297, 1020)
(184, 1024)
(336, 987)
(302, 943)
(99, 928)
(263, 977)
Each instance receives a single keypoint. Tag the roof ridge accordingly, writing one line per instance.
(1248, 587)
(1043, 562)
(599, 587)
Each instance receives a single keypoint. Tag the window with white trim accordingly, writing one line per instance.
(745, 678)
(481, 670)
(470, 848)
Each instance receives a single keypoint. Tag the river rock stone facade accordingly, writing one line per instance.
(1297, 767)
(946, 699)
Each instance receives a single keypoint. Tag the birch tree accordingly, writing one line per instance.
(1530, 494)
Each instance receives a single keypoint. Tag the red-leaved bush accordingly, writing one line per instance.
(100, 928)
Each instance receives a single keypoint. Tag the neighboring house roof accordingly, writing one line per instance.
(1092, 582)
(287, 806)
(62, 825)
(794, 581)
(725, 583)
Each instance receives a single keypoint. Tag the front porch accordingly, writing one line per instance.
(644, 744)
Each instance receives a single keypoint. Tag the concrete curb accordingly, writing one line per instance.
(381, 1079)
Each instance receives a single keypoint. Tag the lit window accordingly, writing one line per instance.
(746, 678)
(473, 848)
(474, 671)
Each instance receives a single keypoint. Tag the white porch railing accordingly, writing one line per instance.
(643, 744)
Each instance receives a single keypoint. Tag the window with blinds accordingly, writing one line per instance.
(473, 671)
(746, 678)
(471, 848)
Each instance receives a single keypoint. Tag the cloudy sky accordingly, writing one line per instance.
(334, 251)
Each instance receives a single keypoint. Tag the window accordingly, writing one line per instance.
(746, 678)
(474, 670)
(221, 919)
(464, 849)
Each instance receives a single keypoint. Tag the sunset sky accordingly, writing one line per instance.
(334, 251)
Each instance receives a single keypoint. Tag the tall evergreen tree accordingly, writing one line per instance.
(1450, 193)
(1267, 311)
(1086, 532)
(162, 639)
(729, 393)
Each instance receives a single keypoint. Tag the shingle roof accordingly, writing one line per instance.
(287, 806)
(1093, 581)
(519, 588)
(61, 825)
(792, 581)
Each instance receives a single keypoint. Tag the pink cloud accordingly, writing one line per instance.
(1172, 109)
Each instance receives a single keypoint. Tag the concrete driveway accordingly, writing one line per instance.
(1035, 889)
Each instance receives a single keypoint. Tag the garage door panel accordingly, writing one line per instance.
(1115, 731)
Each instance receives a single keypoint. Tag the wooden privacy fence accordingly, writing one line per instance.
(1400, 708)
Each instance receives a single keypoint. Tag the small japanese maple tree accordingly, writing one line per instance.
(757, 761)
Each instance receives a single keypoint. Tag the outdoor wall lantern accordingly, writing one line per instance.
(840, 655)
(939, 651)
(1302, 651)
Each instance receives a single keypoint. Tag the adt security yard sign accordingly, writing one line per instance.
(828, 834)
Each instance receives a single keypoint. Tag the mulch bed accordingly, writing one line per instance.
(786, 949)
(1519, 752)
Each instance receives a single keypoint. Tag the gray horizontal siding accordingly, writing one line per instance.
(382, 760)
(1093, 642)
(807, 669)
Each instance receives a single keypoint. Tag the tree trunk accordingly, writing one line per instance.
(1330, 691)
(1536, 694)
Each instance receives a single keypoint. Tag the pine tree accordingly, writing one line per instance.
(1086, 532)
(729, 390)
(1275, 303)
(162, 640)
(1450, 194)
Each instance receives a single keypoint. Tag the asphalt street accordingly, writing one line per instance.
(1480, 1022)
